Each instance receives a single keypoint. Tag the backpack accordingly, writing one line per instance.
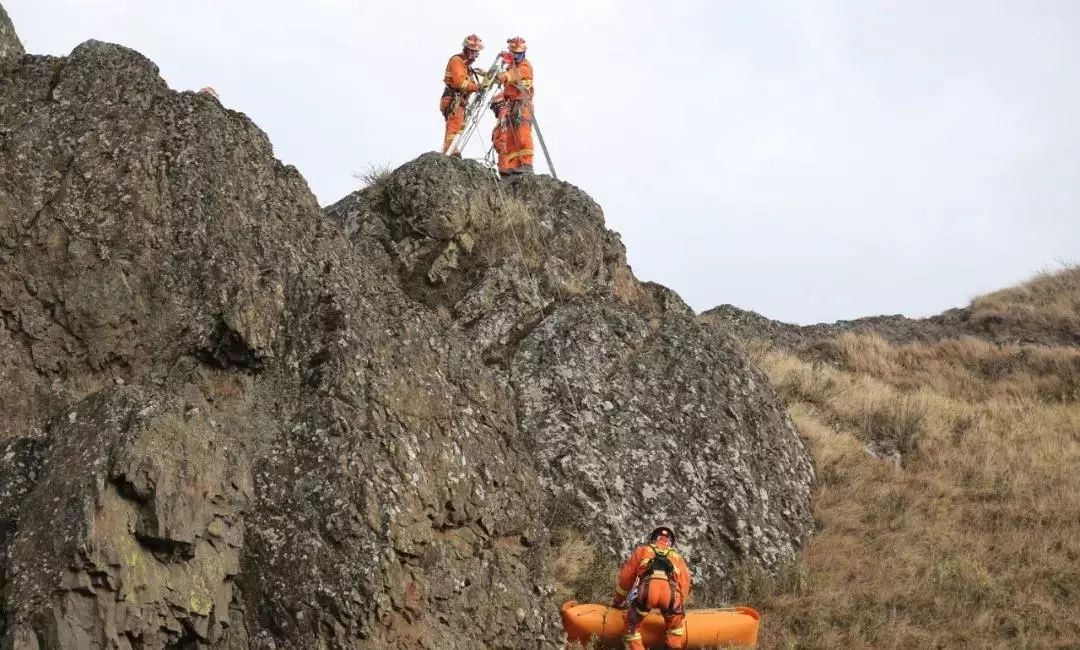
(661, 561)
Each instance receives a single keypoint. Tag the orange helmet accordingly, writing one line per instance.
(472, 42)
(516, 44)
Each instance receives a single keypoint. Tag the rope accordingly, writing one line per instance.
(539, 303)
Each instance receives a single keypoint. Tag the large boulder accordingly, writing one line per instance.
(636, 413)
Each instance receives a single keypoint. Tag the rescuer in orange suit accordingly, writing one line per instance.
(657, 577)
(500, 135)
(459, 85)
(517, 84)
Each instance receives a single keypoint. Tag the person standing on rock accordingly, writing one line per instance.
(517, 84)
(654, 577)
(459, 84)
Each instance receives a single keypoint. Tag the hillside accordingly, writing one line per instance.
(948, 505)
(418, 418)
(1042, 311)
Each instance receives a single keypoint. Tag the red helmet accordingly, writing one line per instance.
(516, 44)
(662, 531)
(472, 42)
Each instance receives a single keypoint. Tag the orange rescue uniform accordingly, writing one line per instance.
(456, 94)
(518, 91)
(657, 589)
(500, 139)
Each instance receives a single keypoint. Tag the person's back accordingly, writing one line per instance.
(655, 577)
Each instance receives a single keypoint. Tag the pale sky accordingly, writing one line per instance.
(810, 160)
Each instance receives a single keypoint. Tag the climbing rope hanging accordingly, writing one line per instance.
(538, 298)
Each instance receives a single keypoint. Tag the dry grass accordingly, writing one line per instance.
(573, 286)
(626, 287)
(374, 175)
(581, 572)
(973, 538)
(1049, 302)
(514, 233)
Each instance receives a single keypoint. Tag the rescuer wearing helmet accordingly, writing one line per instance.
(459, 85)
(517, 84)
(657, 577)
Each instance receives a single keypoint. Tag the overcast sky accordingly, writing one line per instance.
(811, 160)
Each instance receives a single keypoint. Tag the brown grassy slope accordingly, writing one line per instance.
(1049, 303)
(1043, 311)
(968, 533)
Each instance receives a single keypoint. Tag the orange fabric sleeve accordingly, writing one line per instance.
(526, 76)
(518, 81)
(457, 76)
(628, 572)
(683, 579)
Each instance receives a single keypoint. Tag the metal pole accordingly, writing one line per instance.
(543, 146)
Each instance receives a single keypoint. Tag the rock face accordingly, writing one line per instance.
(233, 420)
(634, 412)
(11, 48)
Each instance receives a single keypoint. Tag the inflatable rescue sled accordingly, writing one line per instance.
(705, 628)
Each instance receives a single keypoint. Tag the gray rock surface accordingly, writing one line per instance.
(233, 420)
(636, 413)
(11, 48)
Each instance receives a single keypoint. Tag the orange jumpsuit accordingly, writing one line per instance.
(456, 94)
(500, 139)
(518, 91)
(656, 590)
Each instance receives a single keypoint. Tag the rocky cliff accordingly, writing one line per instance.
(234, 420)
(10, 47)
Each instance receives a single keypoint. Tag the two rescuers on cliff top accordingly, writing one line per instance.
(654, 577)
(513, 106)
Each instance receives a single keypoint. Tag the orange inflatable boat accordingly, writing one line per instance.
(705, 628)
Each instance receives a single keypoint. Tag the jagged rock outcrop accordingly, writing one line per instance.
(232, 420)
(894, 328)
(132, 537)
(10, 46)
(636, 412)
